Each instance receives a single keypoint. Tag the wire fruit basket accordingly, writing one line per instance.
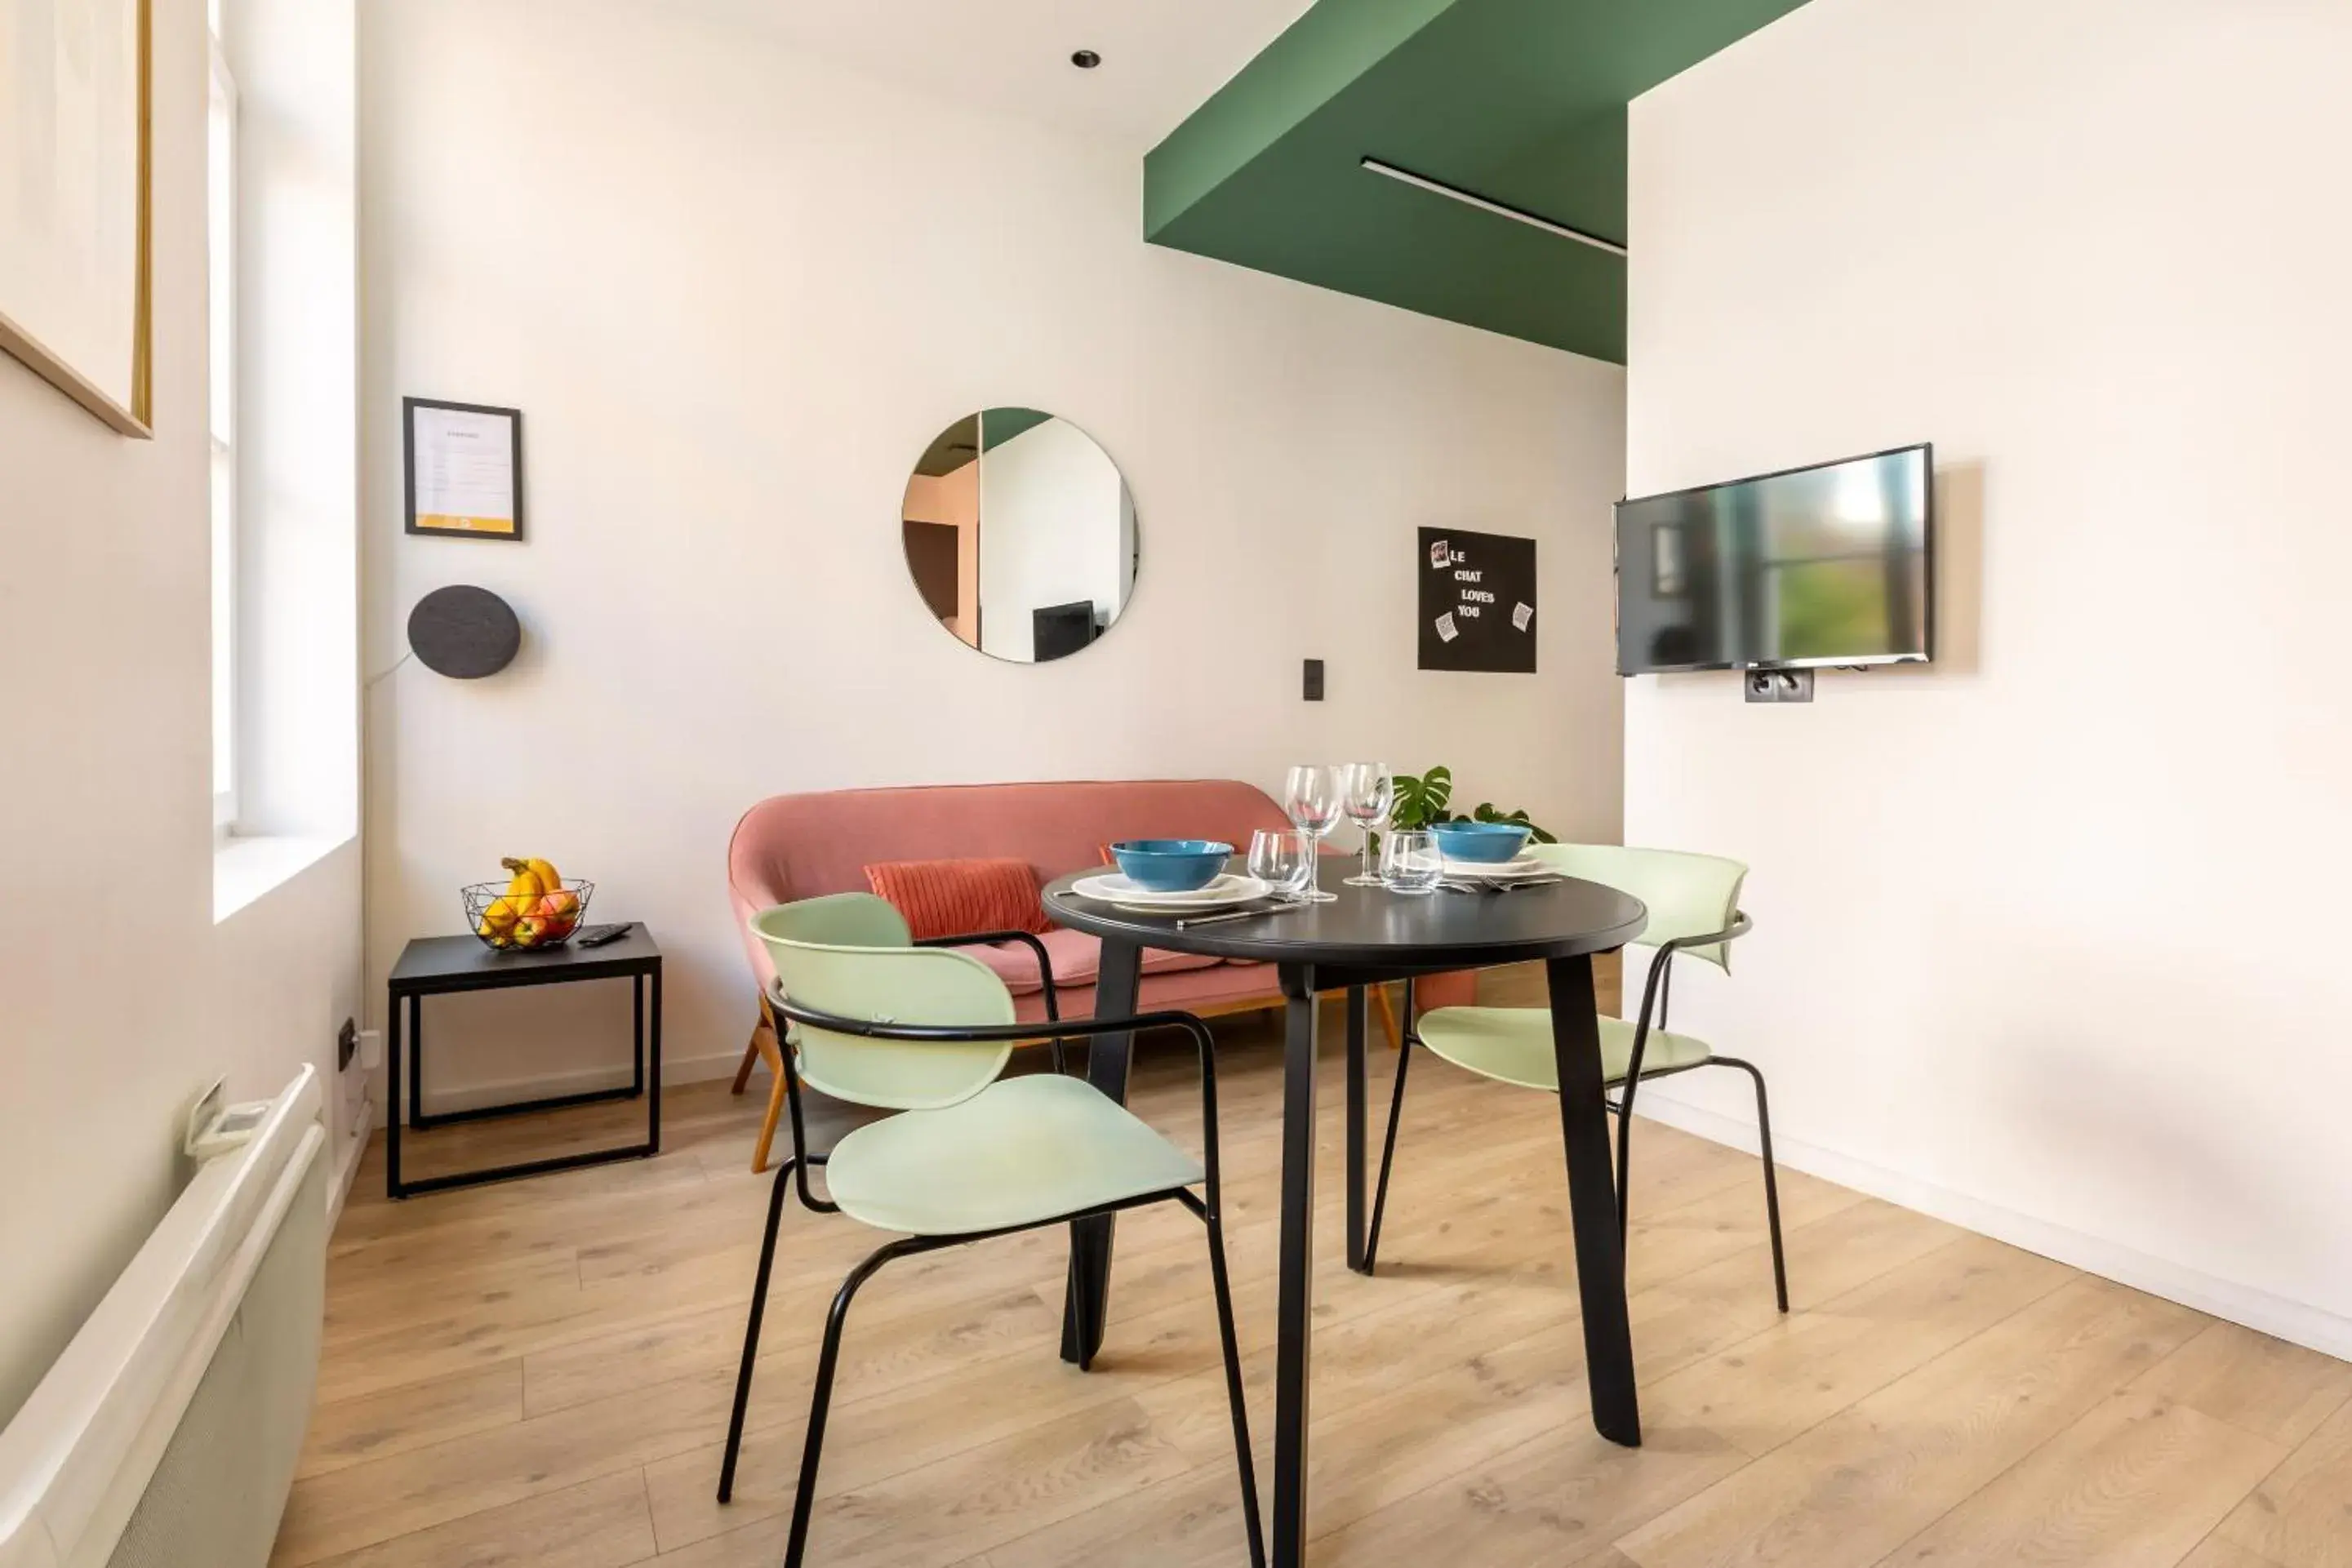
(532, 923)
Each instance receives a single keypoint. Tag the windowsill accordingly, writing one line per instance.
(246, 869)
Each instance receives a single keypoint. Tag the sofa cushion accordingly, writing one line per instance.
(1077, 958)
(958, 897)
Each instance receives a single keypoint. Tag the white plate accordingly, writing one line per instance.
(1115, 887)
(1497, 870)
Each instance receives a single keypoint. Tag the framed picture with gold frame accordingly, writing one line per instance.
(76, 273)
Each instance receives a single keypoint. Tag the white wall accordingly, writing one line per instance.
(119, 997)
(2044, 935)
(1055, 528)
(737, 291)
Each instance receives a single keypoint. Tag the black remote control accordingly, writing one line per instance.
(597, 935)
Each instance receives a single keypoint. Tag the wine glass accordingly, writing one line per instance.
(1282, 861)
(1410, 862)
(1311, 797)
(1367, 790)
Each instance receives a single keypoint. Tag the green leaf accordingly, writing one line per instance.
(1421, 799)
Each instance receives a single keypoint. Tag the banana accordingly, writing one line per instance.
(521, 912)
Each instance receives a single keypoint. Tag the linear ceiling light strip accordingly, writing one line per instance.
(1454, 193)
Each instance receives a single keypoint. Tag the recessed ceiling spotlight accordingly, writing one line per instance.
(1085, 59)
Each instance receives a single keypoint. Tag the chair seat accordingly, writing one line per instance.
(1514, 1044)
(1019, 1151)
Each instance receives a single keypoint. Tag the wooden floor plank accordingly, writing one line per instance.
(2140, 1479)
(2301, 1514)
(2217, 1553)
(2264, 1385)
(1557, 1499)
(602, 1523)
(1860, 1484)
(412, 1415)
(1761, 1393)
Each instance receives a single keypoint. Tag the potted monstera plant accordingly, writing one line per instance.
(1425, 799)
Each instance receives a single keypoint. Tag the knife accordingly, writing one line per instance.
(1236, 915)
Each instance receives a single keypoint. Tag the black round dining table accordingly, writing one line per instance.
(1369, 936)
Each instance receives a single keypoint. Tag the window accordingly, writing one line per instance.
(221, 237)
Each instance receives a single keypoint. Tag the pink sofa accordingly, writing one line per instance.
(800, 846)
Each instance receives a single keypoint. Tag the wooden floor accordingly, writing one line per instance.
(539, 1373)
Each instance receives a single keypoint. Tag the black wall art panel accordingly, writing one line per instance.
(1477, 602)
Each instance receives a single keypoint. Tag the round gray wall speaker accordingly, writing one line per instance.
(464, 632)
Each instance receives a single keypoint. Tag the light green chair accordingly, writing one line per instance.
(875, 1019)
(1694, 906)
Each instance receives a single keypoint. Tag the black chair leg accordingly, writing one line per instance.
(1624, 1109)
(1233, 1391)
(1388, 1146)
(1075, 1307)
(1771, 1182)
(751, 1328)
(821, 1401)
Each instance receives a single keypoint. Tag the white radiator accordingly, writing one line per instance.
(168, 1432)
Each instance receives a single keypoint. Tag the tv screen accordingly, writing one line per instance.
(1062, 629)
(1828, 565)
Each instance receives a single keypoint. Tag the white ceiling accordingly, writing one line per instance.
(1161, 59)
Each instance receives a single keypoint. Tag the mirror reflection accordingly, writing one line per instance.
(1019, 535)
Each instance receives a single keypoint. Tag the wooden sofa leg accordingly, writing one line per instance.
(763, 1048)
(765, 1029)
(1388, 1017)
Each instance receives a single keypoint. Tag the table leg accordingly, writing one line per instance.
(1592, 1201)
(392, 1094)
(1119, 975)
(1356, 1030)
(416, 1061)
(653, 1072)
(1295, 1305)
(638, 1033)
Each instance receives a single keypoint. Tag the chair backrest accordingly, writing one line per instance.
(1687, 894)
(848, 954)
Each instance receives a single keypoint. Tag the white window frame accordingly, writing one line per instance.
(221, 249)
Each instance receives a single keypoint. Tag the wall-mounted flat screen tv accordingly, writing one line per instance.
(1821, 566)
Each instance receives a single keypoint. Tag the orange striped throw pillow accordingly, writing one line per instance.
(957, 898)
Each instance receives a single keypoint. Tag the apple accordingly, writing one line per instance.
(556, 914)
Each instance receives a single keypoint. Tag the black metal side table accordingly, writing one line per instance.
(444, 966)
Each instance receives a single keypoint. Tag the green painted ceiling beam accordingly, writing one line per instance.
(1519, 101)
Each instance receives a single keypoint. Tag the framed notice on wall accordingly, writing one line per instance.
(465, 469)
(1477, 602)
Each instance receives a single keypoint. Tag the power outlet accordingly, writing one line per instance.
(1777, 685)
(1313, 691)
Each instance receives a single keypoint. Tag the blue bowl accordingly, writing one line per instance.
(1172, 866)
(1481, 843)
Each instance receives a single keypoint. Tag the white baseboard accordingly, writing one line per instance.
(347, 1162)
(675, 1071)
(2315, 1328)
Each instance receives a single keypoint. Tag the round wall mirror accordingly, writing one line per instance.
(1019, 535)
